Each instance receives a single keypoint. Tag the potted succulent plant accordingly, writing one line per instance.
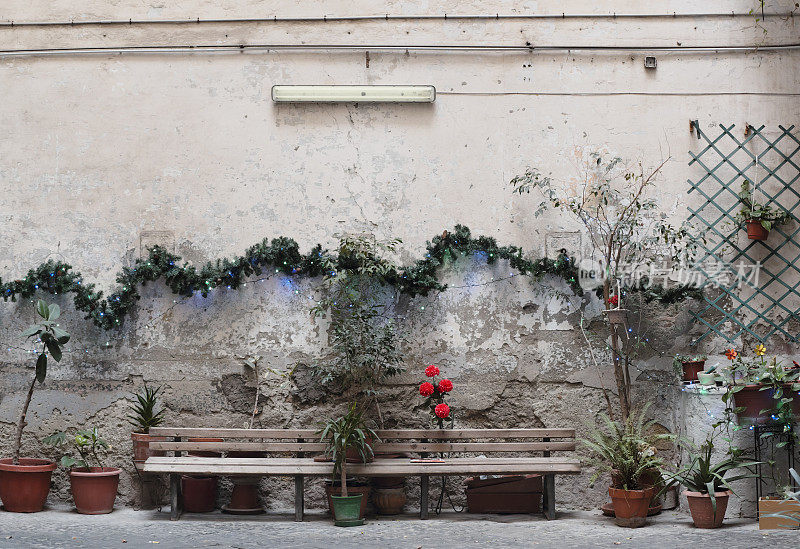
(781, 513)
(94, 486)
(759, 218)
(707, 486)
(761, 390)
(688, 366)
(340, 434)
(627, 451)
(25, 482)
(143, 417)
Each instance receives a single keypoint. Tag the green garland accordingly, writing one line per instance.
(281, 254)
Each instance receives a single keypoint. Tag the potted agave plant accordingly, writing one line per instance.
(94, 486)
(706, 481)
(341, 434)
(759, 218)
(143, 417)
(25, 482)
(628, 453)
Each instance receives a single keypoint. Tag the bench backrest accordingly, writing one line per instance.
(307, 441)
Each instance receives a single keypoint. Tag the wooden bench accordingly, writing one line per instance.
(290, 453)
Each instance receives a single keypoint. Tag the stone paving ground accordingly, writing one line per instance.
(126, 528)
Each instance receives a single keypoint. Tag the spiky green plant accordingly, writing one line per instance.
(348, 431)
(626, 449)
(144, 414)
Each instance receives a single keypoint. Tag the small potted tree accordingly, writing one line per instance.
(25, 482)
(341, 434)
(94, 486)
(143, 417)
(759, 218)
(707, 485)
(627, 452)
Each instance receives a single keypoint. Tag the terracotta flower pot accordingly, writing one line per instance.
(703, 513)
(755, 231)
(753, 400)
(141, 446)
(389, 501)
(630, 506)
(778, 514)
(24, 487)
(199, 493)
(692, 368)
(244, 497)
(94, 489)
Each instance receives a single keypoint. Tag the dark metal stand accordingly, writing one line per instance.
(766, 438)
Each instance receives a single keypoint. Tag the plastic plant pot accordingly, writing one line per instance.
(346, 510)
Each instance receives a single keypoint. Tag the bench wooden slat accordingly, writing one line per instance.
(387, 434)
(310, 434)
(241, 446)
(377, 447)
(388, 467)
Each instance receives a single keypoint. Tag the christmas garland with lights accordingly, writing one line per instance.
(281, 254)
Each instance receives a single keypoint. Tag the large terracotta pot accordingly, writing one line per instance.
(755, 231)
(244, 497)
(352, 490)
(24, 487)
(753, 400)
(703, 513)
(199, 493)
(389, 501)
(692, 368)
(94, 489)
(630, 506)
(141, 446)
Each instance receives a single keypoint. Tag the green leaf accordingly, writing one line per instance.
(54, 348)
(54, 311)
(41, 368)
(32, 331)
(42, 309)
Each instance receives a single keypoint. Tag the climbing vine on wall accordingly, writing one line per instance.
(281, 254)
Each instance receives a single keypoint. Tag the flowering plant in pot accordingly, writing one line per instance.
(759, 218)
(761, 390)
(435, 393)
(627, 451)
(706, 481)
(25, 482)
(340, 434)
(143, 417)
(94, 486)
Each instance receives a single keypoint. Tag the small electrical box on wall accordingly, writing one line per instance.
(650, 62)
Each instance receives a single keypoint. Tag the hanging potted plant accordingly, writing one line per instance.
(759, 218)
(707, 485)
(144, 416)
(340, 434)
(94, 486)
(25, 482)
(760, 390)
(628, 453)
(688, 366)
(783, 512)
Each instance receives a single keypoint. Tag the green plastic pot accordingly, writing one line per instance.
(346, 510)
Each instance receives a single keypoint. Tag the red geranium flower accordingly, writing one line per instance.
(431, 371)
(445, 386)
(442, 411)
(613, 300)
(426, 389)
(731, 354)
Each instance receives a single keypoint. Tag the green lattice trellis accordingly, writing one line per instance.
(773, 305)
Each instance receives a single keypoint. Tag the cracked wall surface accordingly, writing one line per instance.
(103, 155)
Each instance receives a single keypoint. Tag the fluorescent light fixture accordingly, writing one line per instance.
(353, 94)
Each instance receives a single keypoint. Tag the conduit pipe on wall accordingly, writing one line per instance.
(388, 17)
(217, 48)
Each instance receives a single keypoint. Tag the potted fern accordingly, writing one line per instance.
(626, 451)
(25, 482)
(94, 486)
(759, 218)
(341, 434)
(143, 417)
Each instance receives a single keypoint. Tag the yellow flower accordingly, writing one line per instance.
(760, 350)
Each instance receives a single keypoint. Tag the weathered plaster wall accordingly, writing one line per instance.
(97, 152)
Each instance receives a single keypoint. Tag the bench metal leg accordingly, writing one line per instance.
(424, 483)
(549, 497)
(299, 502)
(175, 496)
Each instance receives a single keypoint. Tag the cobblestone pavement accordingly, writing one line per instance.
(127, 528)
